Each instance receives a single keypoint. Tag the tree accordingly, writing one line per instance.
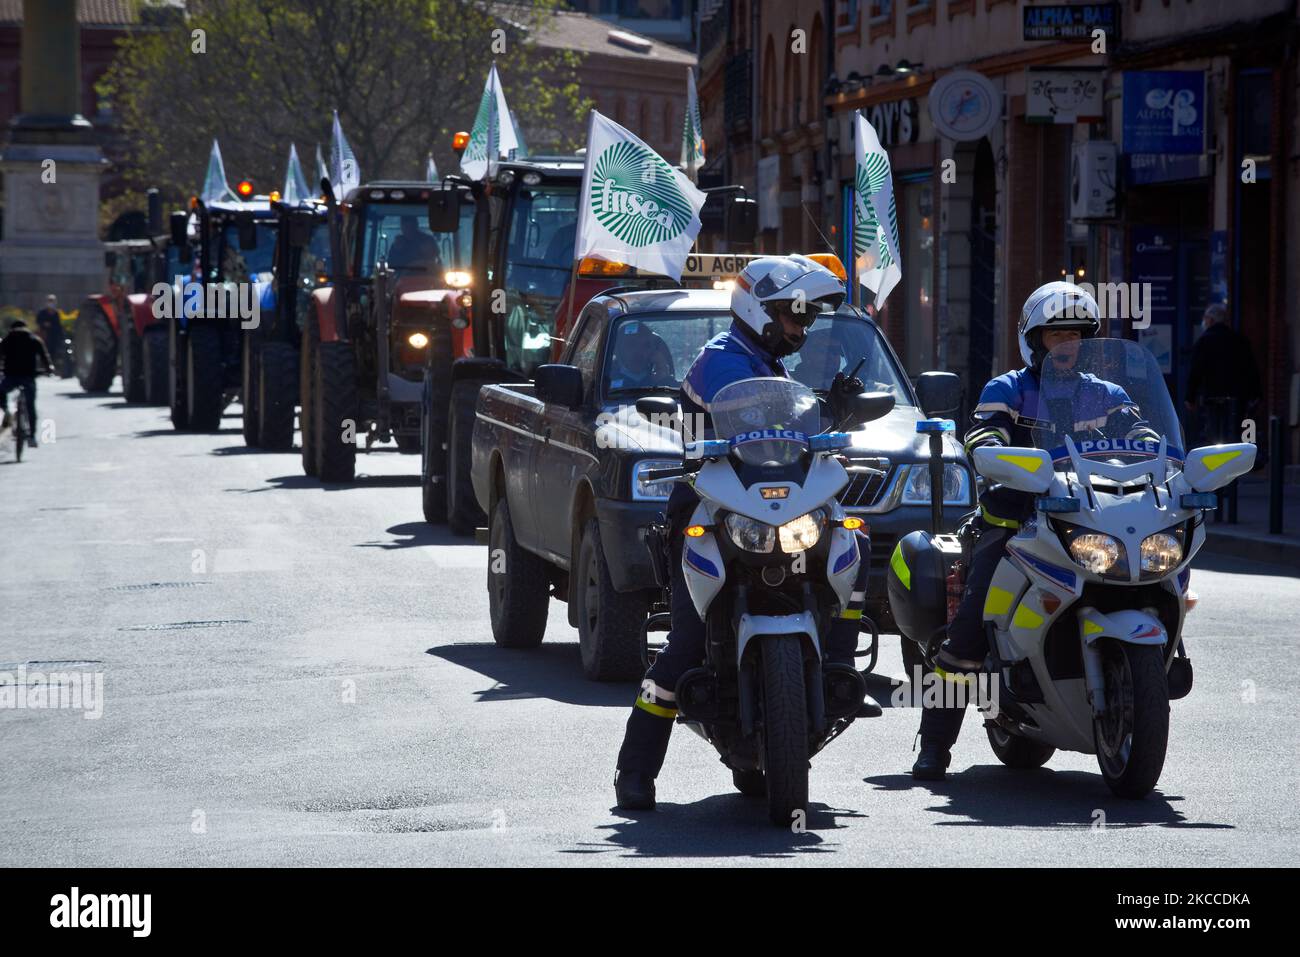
(259, 74)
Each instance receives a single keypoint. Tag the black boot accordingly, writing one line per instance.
(634, 790)
(932, 763)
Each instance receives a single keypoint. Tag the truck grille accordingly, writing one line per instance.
(864, 491)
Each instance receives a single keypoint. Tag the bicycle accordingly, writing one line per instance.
(20, 416)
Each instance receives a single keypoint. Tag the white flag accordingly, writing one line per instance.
(431, 171)
(493, 134)
(635, 208)
(215, 188)
(875, 216)
(321, 170)
(345, 175)
(295, 183)
(692, 131)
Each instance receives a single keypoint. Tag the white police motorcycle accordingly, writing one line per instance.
(769, 559)
(1085, 611)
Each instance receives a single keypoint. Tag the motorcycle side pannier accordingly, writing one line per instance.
(917, 583)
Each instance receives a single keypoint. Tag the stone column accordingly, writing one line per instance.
(51, 169)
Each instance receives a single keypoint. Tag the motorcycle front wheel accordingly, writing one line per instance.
(785, 729)
(1133, 732)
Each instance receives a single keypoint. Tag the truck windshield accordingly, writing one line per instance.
(650, 353)
(239, 265)
(397, 233)
(836, 343)
(539, 257)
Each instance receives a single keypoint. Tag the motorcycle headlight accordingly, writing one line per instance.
(1096, 552)
(659, 490)
(1161, 552)
(801, 533)
(956, 485)
(750, 535)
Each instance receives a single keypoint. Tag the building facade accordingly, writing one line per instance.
(1146, 147)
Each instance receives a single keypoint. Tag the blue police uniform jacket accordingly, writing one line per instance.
(1013, 403)
(726, 358)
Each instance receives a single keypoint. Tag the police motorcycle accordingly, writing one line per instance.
(1086, 609)
(770, 557)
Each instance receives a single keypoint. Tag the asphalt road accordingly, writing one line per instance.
(298, 674)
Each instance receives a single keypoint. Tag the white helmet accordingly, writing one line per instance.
(795, 286)
(1056, 305)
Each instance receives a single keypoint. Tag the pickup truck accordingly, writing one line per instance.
(559, 464)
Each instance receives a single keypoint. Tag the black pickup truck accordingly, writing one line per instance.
(559, 464)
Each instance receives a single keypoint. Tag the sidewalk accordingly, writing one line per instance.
(1249, 537)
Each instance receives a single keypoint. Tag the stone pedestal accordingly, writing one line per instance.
(51, 169)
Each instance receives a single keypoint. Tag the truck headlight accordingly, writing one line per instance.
(801, 533)
(1161, 552)
(1096, 552)
(643, 490)
(956, 485)
(749, 534)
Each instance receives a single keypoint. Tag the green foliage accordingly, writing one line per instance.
(403, 74)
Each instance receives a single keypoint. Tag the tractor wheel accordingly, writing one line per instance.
(204, 380)
(463, 512)
(95, 350)
(277, 390)
(334, 389)
(155, 365)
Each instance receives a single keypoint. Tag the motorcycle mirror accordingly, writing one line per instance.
(938, 392)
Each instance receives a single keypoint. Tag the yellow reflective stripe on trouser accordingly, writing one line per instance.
(656, 710)
(954, 678)
(851, 613)
(994, 520)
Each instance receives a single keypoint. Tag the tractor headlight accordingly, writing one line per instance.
(956, 485)
(801, 533)
(1096, 552)
(658, 490)
(418, 340)
(750, 535)
(1161, 552)
(456, 279)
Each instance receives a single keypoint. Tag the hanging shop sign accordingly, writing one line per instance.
(895, 122)
(964, 105)
(1072, 21)
(1164, 111)
(1064, 96)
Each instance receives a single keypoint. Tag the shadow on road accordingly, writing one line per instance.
(994, 796)
(552, 671)
(723, 825)
(151, 433)
(415, 534)
(306, 481)
(1232, 565)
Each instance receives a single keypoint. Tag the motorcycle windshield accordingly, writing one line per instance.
(767, 421)
(1109, 397)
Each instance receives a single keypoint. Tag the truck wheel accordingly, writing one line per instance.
(276, 389)
(248, 391)
(205, 388)
(334, 391)
(1133, 732)
(155, 365)
(785, 728)
(132, 361)
(1015, 751)
(433, 495)
(463, 513)
(609, 621)
(307, 395)
(178, 394)
(517, 586)
(95, 349)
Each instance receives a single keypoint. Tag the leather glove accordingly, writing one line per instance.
(843, 388)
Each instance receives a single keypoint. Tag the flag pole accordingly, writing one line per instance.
(573, 269)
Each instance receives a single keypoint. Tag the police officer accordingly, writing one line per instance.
(774, 302)
(1054, 317)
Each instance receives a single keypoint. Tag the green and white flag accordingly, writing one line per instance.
(295, 183)
(493, 134)
(522, 149)
(692, 131)
(321, 170)
(215, 188)
(431, 171)
(635, 208)
(345, 175)
(875, 218)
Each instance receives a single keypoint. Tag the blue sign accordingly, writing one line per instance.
(1165, 167)
(1219, 266)
(1164, 111)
